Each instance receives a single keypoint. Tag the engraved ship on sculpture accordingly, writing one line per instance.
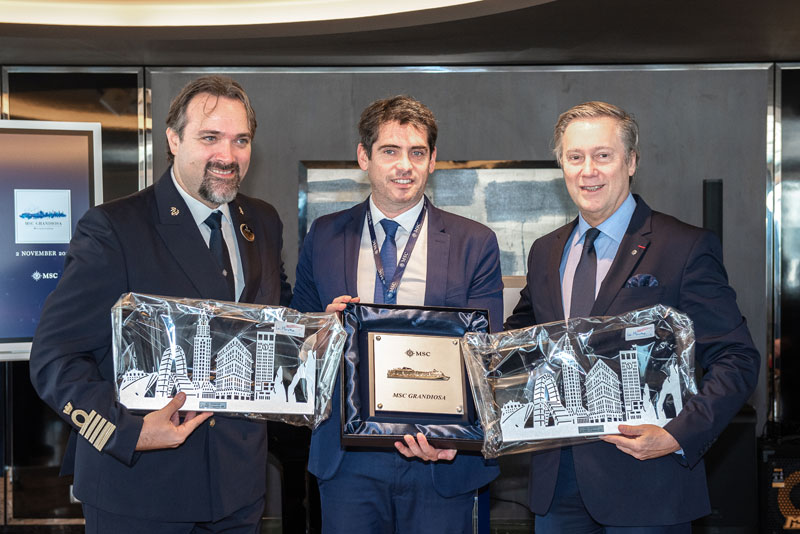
(413, 374)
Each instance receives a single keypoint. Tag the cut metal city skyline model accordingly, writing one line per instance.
(603, 397)
(235, 379)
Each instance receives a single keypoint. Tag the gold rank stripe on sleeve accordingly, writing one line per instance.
(94, 427)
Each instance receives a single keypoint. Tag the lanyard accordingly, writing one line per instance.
(401, 267)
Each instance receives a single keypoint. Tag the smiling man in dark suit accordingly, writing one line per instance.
(449, 261)
(617, 256)
(191, 234)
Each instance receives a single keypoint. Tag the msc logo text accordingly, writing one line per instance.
(44, 276)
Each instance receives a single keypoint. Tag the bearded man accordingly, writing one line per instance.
(191, 234)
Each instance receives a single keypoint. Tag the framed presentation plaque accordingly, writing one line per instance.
(403, 373)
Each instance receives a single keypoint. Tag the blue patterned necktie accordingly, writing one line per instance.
(219, 250)
(583, 283)
(389, 261)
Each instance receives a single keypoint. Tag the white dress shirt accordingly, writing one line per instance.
(412, 286)
(200, 213)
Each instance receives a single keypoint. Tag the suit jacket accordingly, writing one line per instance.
(149, 243)
(616, 488)
(463, 270)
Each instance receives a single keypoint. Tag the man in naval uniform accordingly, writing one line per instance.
(191, 234)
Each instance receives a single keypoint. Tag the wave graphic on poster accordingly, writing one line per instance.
(43, 215)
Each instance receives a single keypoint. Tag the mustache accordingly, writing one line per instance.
(233, 166)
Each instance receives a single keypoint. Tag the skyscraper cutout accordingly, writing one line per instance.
(201, 357)
(172, 374)
(265, 365)
(631, 384)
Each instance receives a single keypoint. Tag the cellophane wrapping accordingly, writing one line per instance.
(261, 362)
(567, 382)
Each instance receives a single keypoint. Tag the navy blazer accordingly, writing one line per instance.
(149, 243)
(463, 270)
(616, 488)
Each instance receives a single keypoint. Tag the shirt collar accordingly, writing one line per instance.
(406, 220)
(200, 211)
(616, 225)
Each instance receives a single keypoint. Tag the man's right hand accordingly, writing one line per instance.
(163, 429)
(340, 303)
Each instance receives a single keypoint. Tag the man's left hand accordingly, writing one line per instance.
(422, 449)
(643, 442)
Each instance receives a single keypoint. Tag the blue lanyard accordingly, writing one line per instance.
(401, 266)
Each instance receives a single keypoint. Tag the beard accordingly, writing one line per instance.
(219, 190)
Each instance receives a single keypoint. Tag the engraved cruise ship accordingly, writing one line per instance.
(413, 374)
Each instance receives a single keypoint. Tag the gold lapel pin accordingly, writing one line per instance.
(247, 232)
(241, 211)
(633, 252)
(174, 211)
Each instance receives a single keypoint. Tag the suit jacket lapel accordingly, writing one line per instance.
(438, 258)
(353, 229)
(183, 240)
(631, 251)
(248, 250)
(553, 274)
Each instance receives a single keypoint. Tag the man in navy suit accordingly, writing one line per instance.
(646, 478)
(453, 262)
(164, 472)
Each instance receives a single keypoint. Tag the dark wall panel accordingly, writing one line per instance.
(697, 123)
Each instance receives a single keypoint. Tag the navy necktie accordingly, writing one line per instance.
(389, 261)
(219, 249)
(583, 283)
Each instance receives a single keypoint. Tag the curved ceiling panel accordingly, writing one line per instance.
(187, 13)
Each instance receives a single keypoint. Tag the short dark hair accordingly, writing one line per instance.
(403, 109)
(628, 129)
(214, 85)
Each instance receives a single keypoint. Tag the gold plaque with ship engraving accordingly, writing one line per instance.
(420, 374)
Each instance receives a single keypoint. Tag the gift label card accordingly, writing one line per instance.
(290, 329)
(640, 332)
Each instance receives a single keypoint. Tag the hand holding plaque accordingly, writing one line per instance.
(418, 447)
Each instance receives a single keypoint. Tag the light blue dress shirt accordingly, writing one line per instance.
(612, 230)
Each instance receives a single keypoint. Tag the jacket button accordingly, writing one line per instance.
(212, 422)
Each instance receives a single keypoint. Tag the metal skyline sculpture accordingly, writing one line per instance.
(575, 402)
(234, 376)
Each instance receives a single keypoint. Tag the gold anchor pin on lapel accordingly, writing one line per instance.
(174, 211)
(247, 232)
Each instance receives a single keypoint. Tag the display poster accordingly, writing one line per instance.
(50, 174)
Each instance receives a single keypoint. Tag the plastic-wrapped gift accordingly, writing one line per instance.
(265, 362)
(565, 382)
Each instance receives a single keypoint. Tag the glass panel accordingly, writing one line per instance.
(38, 442)
(110, 98)
(788, 367)
(36, 437)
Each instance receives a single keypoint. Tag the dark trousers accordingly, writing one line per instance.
(387, 493)
(567, 513)
(246, 520)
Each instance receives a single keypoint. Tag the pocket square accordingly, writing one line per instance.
(642, 280)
